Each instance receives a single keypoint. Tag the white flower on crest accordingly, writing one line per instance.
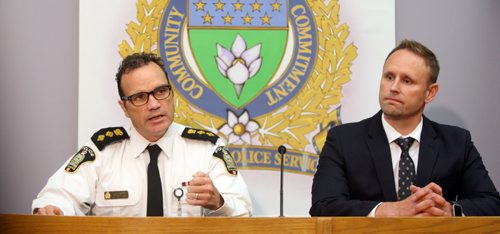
(238, 64)
(239, 129)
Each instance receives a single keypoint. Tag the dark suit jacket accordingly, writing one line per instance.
(355, 170)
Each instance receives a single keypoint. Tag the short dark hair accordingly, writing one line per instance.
(134, 61)
(419, 49)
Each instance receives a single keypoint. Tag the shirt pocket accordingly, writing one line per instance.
(118, 201)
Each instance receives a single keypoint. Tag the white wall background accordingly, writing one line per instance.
(39, 82)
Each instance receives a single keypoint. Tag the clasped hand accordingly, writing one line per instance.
(426, 201)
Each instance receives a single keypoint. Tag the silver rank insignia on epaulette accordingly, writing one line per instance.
(222, 152)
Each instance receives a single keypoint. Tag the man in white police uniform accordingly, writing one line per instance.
(112, 176)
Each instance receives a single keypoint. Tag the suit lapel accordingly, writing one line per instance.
(381, 155)
(429, 148)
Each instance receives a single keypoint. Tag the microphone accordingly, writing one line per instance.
(281, 151)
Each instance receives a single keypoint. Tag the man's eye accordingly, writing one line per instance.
(138, 97)
(161, 90)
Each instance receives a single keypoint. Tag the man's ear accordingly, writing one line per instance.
(431, 92)
(124, 108)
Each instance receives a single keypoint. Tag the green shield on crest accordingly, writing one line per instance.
(203, 45)
(212, 27)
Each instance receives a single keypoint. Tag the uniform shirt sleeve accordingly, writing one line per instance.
(72, 192)
(233, 189)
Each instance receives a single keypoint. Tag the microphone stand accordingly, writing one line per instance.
(282, 151)
(281, 187)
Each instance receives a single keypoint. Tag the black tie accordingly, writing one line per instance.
(406, 168)
(155, 197)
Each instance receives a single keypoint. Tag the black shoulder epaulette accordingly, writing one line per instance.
(106, 136)
(199, 134)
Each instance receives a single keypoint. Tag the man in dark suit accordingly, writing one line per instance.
(398, 162)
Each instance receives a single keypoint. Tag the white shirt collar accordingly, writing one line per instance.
(392, 134)
(138, 143)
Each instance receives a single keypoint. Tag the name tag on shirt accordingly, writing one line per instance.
(110, 195)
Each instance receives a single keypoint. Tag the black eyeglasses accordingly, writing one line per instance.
(142, 98)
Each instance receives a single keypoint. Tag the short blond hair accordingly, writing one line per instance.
(419, 49)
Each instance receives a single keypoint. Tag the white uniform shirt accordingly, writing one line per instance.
(121, 168)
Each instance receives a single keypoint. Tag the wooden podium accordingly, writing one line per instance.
(71, 224)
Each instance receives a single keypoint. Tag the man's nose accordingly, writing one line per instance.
(153, 103)
(395, 84)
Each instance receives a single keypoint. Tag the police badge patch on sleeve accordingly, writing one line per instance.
(86, 154)
(223, 153)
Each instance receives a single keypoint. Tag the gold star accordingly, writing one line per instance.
(219, 5)
(207, 18)
(228, 19)
(256, 5)
(276, 6)
(266, 19)
(238, 6)
(247, 19)
(200, 6)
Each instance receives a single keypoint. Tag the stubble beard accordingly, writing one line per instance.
(392, 112)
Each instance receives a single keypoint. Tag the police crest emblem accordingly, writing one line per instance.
(85, 154)
(258, 73)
